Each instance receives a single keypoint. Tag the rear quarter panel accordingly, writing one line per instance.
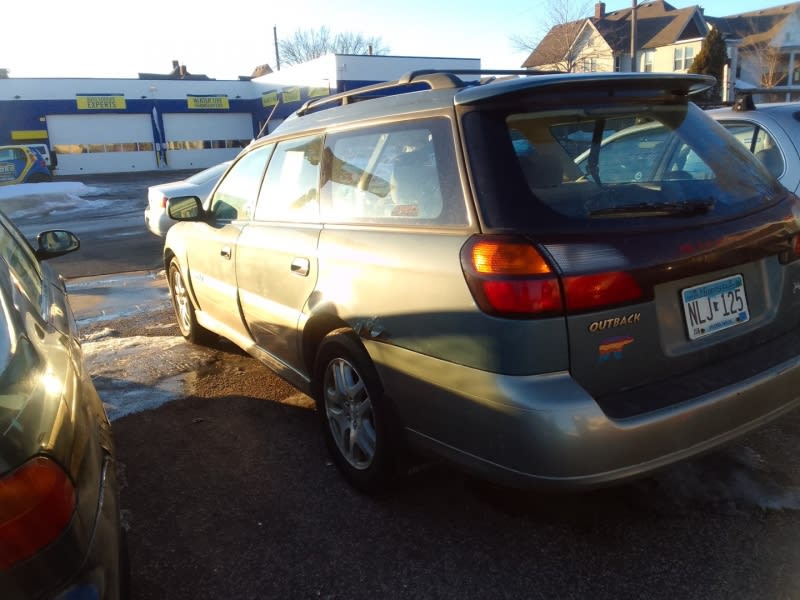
(406, 288)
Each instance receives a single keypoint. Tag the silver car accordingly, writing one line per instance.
(771, 132)
(200, 184)
(472, 271)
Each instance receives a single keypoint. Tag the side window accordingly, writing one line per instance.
(291, 185)
(404, 172)
(236, 195)
(766, 150)
(744, 132)
(760, 143)
(16, 251)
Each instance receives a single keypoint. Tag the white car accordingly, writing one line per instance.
(200, 185)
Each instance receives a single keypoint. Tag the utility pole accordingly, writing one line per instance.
(277, 55)
(633, 37)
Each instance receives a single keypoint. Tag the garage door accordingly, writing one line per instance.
(205, 139)
(111, 143)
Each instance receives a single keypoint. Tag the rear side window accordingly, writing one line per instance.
(760, 143)
(605, 167)
(401, 173)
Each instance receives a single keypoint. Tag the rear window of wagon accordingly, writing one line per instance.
(590, 167)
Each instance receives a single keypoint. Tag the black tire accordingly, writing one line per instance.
(357, 420)
(190, 329)
(39, 178)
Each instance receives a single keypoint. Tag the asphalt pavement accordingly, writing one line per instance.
(228, 492)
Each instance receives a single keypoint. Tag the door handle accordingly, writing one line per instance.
(301, 266)
(225, 252)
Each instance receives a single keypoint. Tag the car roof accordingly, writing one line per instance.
(789, 109)
(446, 89)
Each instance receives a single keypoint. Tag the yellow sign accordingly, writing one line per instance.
(315, 92)
(291, 94)
(208, 102)
(107, 102)
(33, 134)
(269, 99)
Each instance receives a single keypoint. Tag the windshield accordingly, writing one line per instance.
(625, 165)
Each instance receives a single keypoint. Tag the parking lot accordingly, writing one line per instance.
(228, 492)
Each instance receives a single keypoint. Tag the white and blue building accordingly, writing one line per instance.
(123, 125)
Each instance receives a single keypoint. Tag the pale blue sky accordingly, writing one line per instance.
(95, 38)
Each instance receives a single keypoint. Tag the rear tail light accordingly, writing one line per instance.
(36, 504)
(599, 290)
(163, 202)
(510, 277)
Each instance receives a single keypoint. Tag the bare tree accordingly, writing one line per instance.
(307, 44)
(774, 63)
(564, 21)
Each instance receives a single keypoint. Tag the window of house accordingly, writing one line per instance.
(291, 186)
(648, 61)
(589, 65)
(688, 58)
(677, 59)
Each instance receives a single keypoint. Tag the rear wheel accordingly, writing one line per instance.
(184, 309)
(39, 178)
(356, 417)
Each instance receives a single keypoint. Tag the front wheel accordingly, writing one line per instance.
(356, 417)
(191, 330)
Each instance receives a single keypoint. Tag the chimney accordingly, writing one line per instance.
(175, 64)
(600, 10)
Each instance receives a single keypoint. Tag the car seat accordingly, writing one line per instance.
(415, 186)
(771, 158)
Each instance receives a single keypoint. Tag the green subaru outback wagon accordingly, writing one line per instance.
(552, 280)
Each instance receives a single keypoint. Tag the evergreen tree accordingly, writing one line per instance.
(711, 60)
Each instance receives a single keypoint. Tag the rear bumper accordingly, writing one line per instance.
(546, 431)
(159, 225)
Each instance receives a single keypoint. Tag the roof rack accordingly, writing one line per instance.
(744, 102)
(435, 79)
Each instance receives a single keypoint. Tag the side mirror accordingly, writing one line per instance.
(185, 208)
(55, 242)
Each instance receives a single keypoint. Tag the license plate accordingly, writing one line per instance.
(715, 306)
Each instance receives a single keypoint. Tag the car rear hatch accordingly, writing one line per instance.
(670, 253)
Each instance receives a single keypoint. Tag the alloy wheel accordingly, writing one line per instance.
(349, 413)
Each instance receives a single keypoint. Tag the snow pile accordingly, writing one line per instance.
(32, 199)
(139, 373)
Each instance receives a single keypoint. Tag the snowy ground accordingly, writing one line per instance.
(39, 200)
(131, 373)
